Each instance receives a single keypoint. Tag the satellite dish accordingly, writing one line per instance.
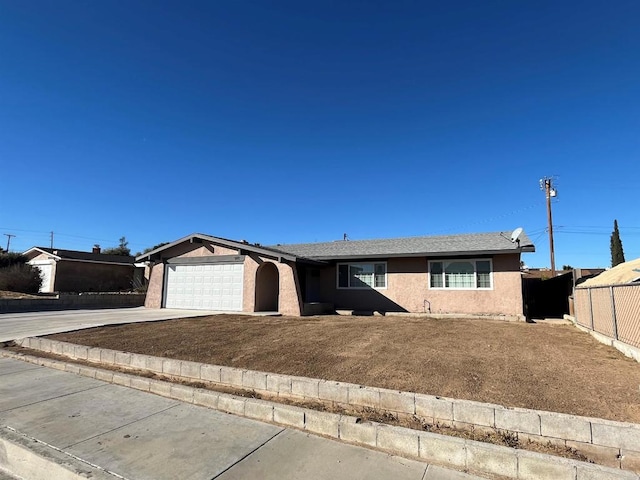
(515, 235)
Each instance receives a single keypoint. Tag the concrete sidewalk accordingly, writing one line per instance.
(103, 429)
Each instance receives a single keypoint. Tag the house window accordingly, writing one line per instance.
(362, 275)
(461, 274)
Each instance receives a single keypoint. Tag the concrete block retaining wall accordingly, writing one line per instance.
(626, 349)
(69, 302)
(613, 444)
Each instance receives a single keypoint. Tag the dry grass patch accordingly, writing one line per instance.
(544, 367)
(8, 294)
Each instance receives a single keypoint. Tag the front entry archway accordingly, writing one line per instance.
(267, 288)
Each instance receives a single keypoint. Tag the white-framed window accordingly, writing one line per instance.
(363, 275)
(461, 274)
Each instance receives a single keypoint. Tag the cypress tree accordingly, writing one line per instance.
(617, 254)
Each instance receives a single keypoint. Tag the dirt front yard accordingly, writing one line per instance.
(546, 367)
(8, 294)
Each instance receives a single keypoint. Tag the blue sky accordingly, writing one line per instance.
(286, 122)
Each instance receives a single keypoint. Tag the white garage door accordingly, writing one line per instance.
(204, 287)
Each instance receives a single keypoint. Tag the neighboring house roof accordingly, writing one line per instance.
(434, 246)
(627, 272)
(77, 256)
(542, 273)
(584, 272)
(580, 274)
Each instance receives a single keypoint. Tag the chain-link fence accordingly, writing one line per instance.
(612, 310)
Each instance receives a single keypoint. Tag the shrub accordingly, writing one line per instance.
(21, 278)
(121, 249)
(11, 258)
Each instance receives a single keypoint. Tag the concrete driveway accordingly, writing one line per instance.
(29, 324)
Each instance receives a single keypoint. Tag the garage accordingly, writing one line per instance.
(213, 286)
(213, 273)
(46, 271)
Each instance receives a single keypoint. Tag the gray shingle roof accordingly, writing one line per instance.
(467, 244)
(234, 244)
(88, 256)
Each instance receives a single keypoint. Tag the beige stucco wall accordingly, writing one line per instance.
(504, 299)
(289, 301)
(289, 297)
(407, 286)
(407, 289)
(42, 256)
(154, 289)
(205, 251)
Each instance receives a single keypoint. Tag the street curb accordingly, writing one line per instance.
(609, 443)
(451, 452)
(26, 457)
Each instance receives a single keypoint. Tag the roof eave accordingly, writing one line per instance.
(103, 262)
(40, 251)
(222, 242)
(425, 254)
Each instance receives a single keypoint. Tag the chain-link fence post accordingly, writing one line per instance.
(613, 312)
(590, 308)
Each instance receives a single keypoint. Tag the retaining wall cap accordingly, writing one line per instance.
(586, 468)
(418, 396)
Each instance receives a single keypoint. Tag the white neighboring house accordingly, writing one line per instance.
(46, 268)
(76, 271)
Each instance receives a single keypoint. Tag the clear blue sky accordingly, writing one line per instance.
(289, 121)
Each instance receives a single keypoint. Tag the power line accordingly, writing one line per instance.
(578, 232)
(490, 219)
(597, 226)
(21, 230)
(536, 239)
(69, 235)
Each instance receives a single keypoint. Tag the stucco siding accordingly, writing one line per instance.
(290, 297)
(206, 251)
(406, 291)
(251, 264)
(42, 256)
(185, 250)
(289, 293)
(504, 299)
(154, 290)
(408, 288)
(289, 302)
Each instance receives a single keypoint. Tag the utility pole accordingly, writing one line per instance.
(9, 235)
(51, 239)
(547, 186)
